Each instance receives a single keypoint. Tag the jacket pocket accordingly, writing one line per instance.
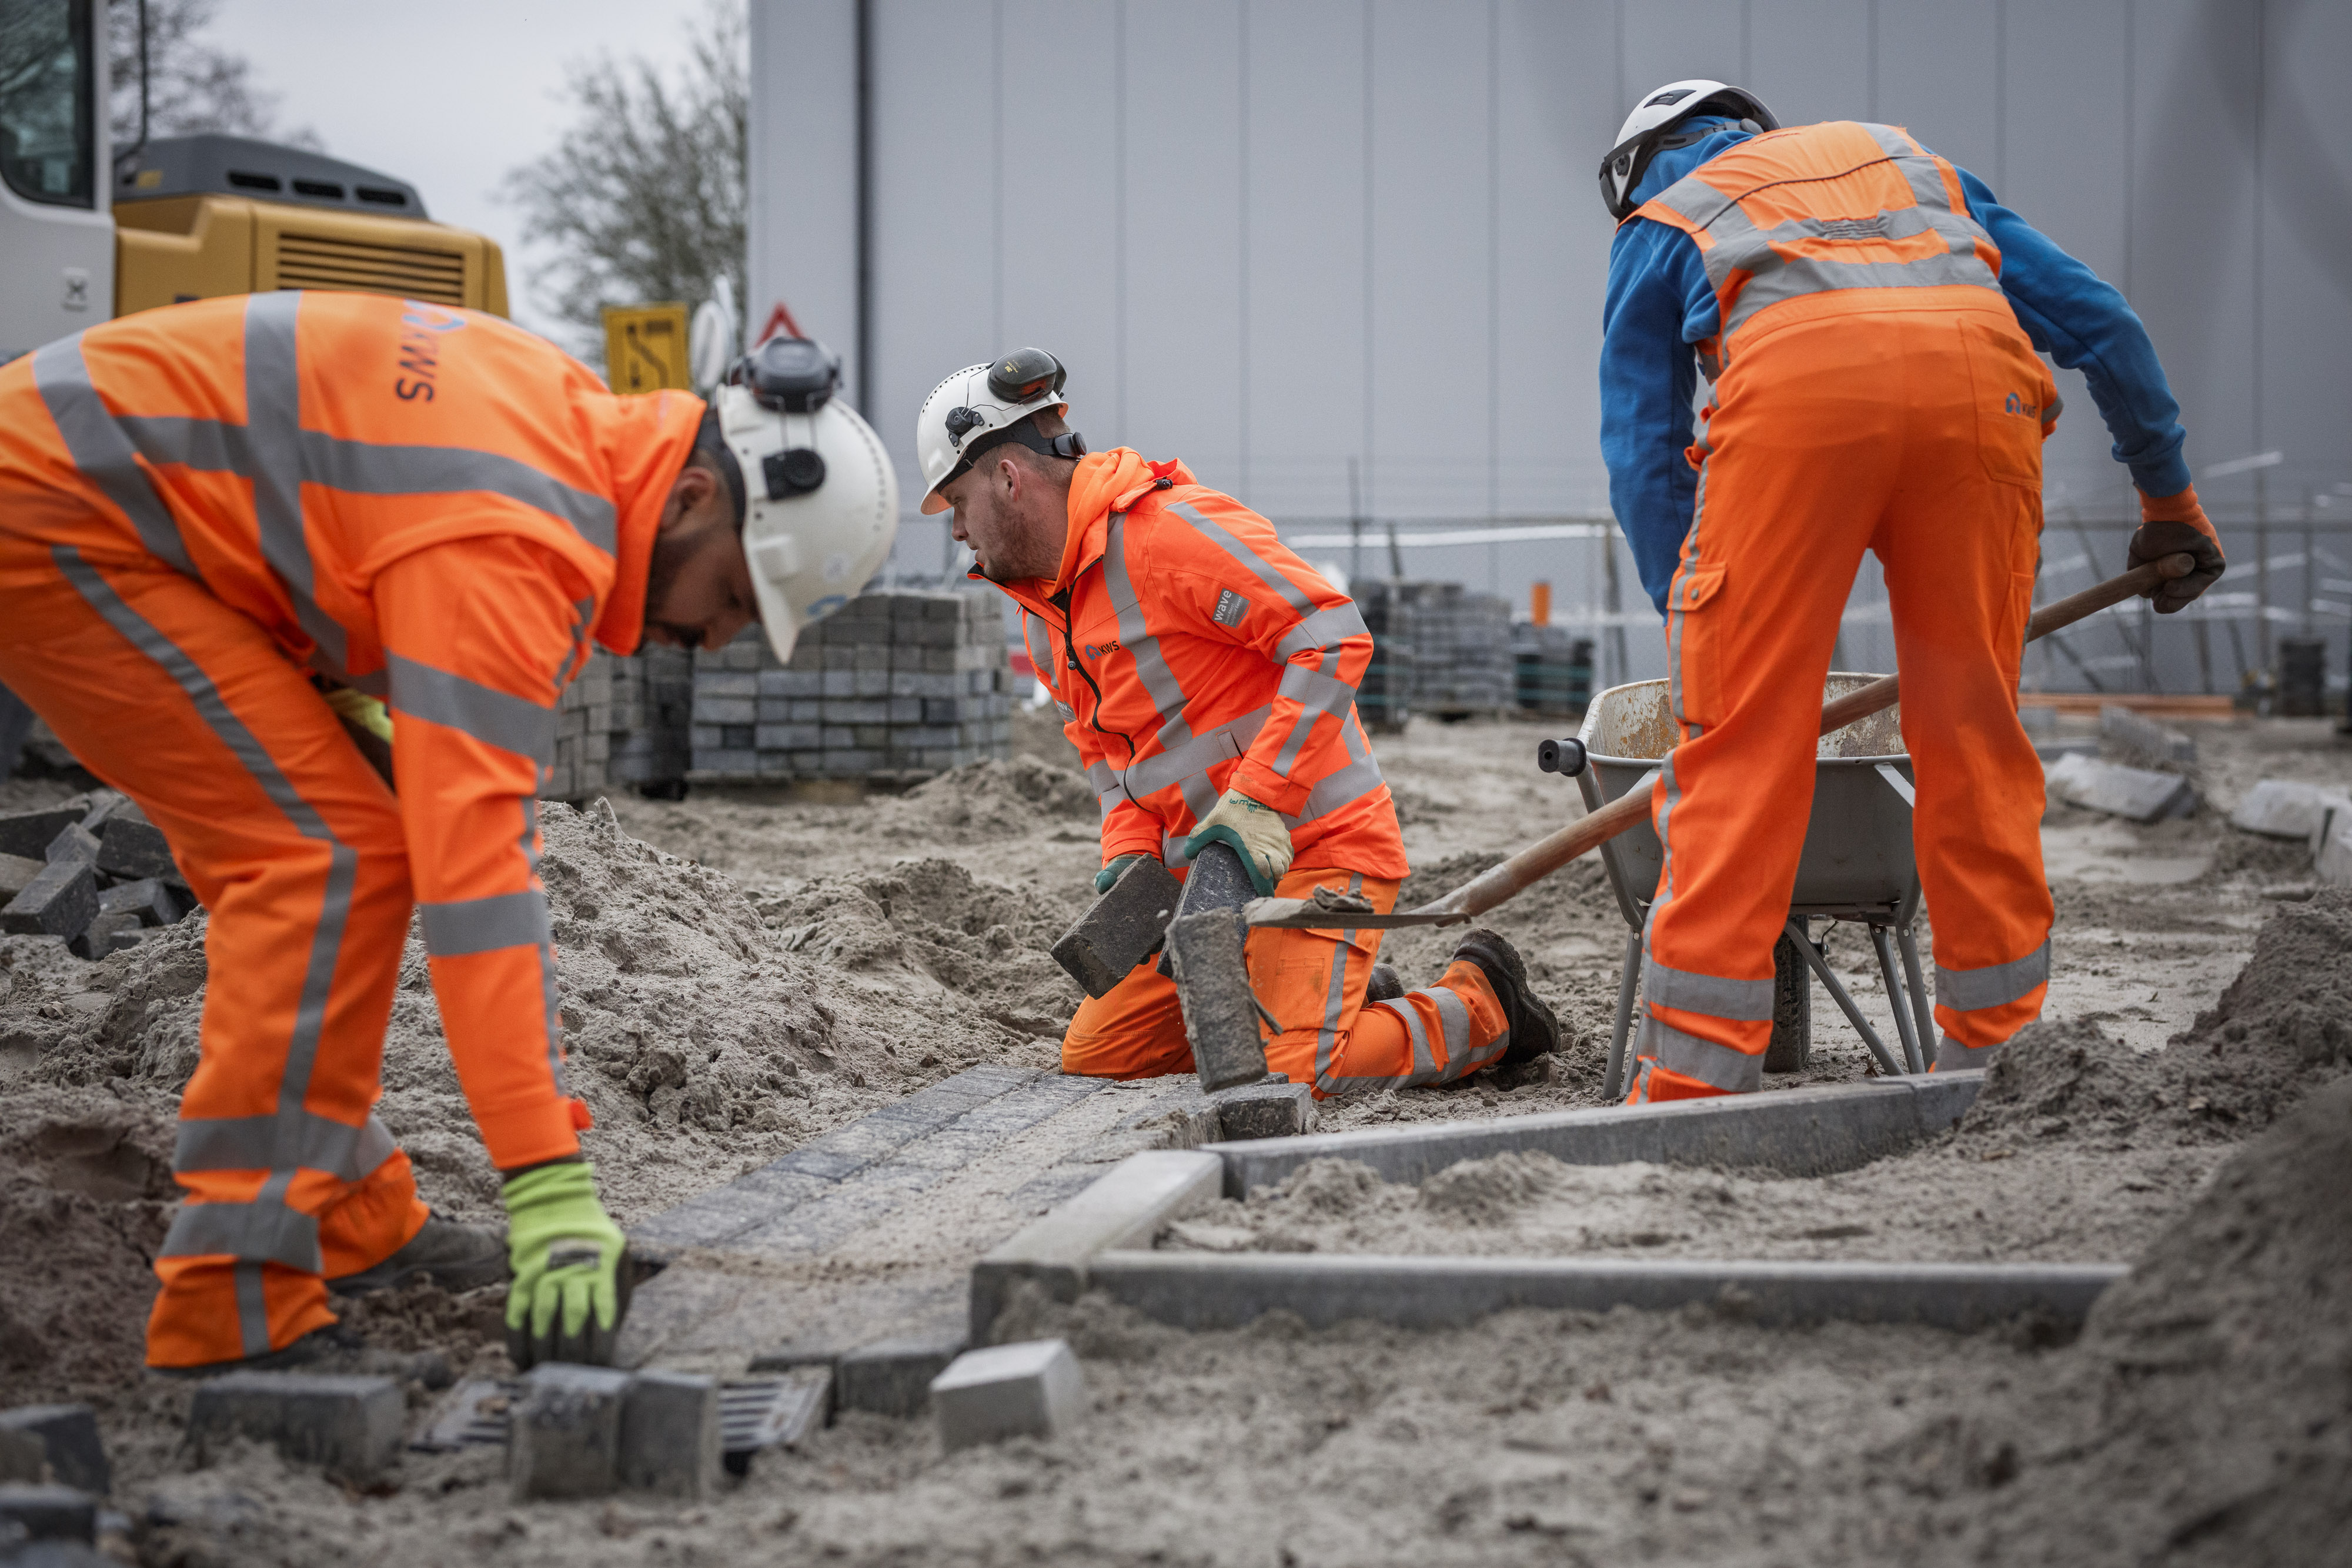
(1695, 611)
(2013, 395)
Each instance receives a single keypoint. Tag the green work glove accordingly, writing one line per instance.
(1255, 833)
(1113, 872)
(571, 1283)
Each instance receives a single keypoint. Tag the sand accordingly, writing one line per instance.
(742, 972)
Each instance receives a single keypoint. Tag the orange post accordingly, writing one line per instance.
(1539, 604)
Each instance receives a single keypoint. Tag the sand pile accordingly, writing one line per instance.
(991, 800)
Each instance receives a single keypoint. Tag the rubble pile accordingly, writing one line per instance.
(92, 870)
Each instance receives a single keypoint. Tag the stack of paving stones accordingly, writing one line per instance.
(624, 721)
(891, 688)
(1384, 696)
(92, 871)
(1463, 661)
(1555, 671)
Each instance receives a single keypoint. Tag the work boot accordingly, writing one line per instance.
(337, 1348)
(1385, 986)
(1534, 1030)
(453, 1256)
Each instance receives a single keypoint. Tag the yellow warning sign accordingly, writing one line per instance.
(645, 348)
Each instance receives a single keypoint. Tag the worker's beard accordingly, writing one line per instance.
(672, 549)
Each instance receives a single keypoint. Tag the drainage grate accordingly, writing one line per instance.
(754, 1414)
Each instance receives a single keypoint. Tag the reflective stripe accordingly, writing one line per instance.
(1159, 682)
(273, 425)
(1333, 791)
(252, 1309)
(1321, 692)
(551, 1020)
(1333, 1003)
(1263, 569)
(1327, 628)
(1040, 644)
(1226, 743)
(102, 452)
(489, 716)
(1960, 266)
(364, 469)
(1733, 1072)
(502, 920)
(1951, 1056)
(269, 1222)
(1996, 985)
(263, 1231)
(1676, 609)
(1747, 1001)
(1424, 1061)
(259, 1143)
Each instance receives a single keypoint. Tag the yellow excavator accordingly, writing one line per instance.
(87, 231)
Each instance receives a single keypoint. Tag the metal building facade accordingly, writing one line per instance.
(1346, 257)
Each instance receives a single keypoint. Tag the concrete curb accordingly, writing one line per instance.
(1124, 1208)
(1222, 1290)
(1797, 1132)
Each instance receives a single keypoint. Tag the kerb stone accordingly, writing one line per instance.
(893, 1376)
(2134, 794)
(1033, 1389)
(351, 1426)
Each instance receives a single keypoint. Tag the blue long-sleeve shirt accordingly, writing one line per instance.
(1659, 303)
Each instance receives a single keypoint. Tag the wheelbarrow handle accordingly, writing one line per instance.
(1593, 828)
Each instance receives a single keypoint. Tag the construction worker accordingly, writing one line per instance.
(1867, 317)
(1207, 677)
(209, 513)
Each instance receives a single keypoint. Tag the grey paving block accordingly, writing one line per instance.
(669, 1434)
(1220, 1291)
(2144, 738)
(1221, 1015)
(1031, 1389)
(2134, 794)
(132, 846)
(28, 833)
(893, 1376)
(73, 842)
(1125, 1207)
(1265, 1111)
(69, 1437)
(2280, 808)
(1121, 929)
(348, 1425)
(24, 1458)
(1215, 880)
(2331, 855)
(46, 1513)
(150, 898)
(565, 1439)
(60, 902)
(105, 934)
(16, 873)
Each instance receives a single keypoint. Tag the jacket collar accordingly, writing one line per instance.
(643, 444)
(1104, 483)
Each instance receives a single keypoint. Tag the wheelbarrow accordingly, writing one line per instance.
(1857, 866)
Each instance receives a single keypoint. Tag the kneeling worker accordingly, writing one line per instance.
(209, 513)
(1207, 676)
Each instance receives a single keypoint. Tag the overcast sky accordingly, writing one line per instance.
(446, 95)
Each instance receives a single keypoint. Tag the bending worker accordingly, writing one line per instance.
(1207, 676)
(1866, 316)
(216, 515)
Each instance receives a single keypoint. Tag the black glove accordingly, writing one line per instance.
(2175, 525)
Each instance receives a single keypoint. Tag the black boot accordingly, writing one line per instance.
(1385, 985)
(454, 1257)
(1534, 1030)
(337, 1348)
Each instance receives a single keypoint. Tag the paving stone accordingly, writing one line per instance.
(1123, 927)
(351, 1426)
(2285, 808)
(565, 1441)
(893, 1376)
(47, 1513)
(2134, 794)
(1217, 880)
(73, 842)
(149, 898)
(1031, 1389)
(106, 935)
(24, 1458)
(1265, 1111)
(69, 1436)
(670, 1435)
(1221, 1017)
(60, 902)
(28, 833)
(2144, 738)
(2331, 858)
(132, 846)
(16, 873)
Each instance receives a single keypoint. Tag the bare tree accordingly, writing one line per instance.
(643, 198)
(192, 86)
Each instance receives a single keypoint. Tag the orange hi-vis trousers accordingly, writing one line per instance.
(1313, 982)
(1846, 423)
(296, 848)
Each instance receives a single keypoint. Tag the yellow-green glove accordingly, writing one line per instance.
(362, 711)
(570, 1287)
(1255, 833)
(1113, 872)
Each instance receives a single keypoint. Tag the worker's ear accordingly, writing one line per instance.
(688, 495)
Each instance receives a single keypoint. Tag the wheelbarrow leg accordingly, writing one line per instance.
(1896, 996)
(1845, 1003)
(1612, 1081)
(1911, 972)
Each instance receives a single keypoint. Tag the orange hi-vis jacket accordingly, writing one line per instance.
(289, 450)
(1190, 651)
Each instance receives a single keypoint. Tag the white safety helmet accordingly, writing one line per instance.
(814, 488)
(982, 405)
(1651, 128)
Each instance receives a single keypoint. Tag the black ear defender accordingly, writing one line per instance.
(790, 375)
(796, 471)
(1025, 374)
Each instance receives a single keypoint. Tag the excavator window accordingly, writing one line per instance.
(48, 108)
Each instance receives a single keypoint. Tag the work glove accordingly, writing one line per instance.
(571, 1283)
(2175, 525)
(1255, 833)
(1110, 874)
